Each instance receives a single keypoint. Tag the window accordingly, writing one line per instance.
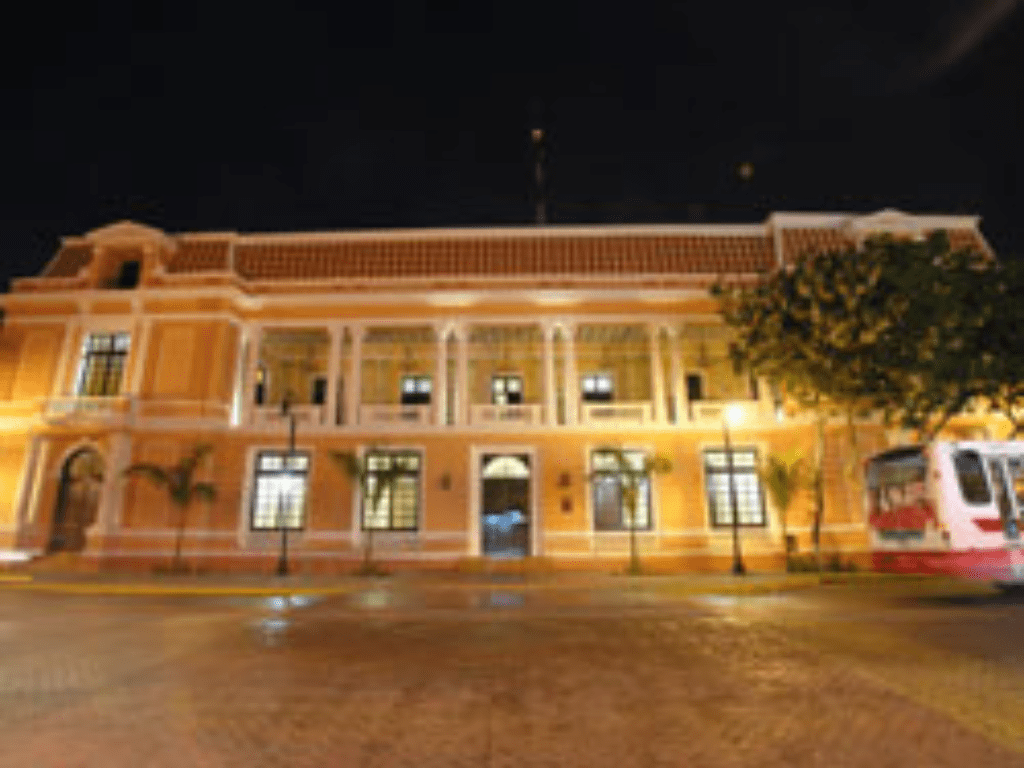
(280, 496)
(971, 475)
(415, 390)
(398, 475)
(506, 390)
(694, 386)
(597, 388)
(610, 487)
(103, 359)
(318, 392)
(260, 394)
(128, 275)
(749, 501)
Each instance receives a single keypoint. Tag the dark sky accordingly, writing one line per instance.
(409, 114)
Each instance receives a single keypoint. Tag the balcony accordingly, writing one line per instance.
(522, 414)
(395, 414)
(621, 414)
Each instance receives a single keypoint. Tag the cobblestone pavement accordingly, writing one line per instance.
(501, 678)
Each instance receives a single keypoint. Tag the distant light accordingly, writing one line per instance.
(537, 134)
(745, 171)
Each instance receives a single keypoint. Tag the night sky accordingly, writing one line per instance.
(411, 114)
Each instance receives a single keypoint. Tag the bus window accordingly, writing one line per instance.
(971, 475)
(995, 467)
(1016, 467)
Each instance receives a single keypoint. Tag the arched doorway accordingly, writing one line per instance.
(78, 497)
(505, 505)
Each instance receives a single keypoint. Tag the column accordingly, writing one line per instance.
(241, 357)
(354, 390)
(657, 375)
(462, 375)
(678, 391)
(255, 335)
(440, 388)
(330, 415)
(572, 385)
(550, 397)
(59, 388)
(112, 494)
(140, 350)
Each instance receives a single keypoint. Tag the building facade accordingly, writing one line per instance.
(491, 380)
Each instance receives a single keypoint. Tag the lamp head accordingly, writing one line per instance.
(733, 414)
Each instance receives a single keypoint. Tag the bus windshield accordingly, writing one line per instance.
(896, 478)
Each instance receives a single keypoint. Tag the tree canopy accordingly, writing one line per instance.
(909, 327)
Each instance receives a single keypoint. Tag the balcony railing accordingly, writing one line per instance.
(305, 415)
(711, 412)
(395, 414)
(497, 415)
(616, 414)
(60, 408)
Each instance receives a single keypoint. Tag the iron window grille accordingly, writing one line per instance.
(607, 480)
(281, 485)
(749, 498)
(103, 361)
(398, 506)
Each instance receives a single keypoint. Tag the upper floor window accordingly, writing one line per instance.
(279, 500)
(694, 387)
(393, 483)
(506, 389)
(415, 390)
(102, 367)
(597, 388)
(612, 484)
(739, 491)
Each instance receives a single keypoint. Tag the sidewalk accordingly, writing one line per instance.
(266, 585)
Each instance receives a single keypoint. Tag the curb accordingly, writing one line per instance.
(25, 583)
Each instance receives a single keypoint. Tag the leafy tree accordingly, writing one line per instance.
(374, 485)
(784, 475)
(888, 326)
(631, 481)
(182, 489)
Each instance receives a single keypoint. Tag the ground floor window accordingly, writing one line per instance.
(749, 501)
(612, 475)
(281, 482)
(392, 493)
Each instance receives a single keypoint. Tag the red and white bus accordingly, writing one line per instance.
(949, 507)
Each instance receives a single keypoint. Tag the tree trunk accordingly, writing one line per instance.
(178, 539)
(819, 490)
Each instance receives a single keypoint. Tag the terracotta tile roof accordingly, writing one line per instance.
(503, 257)
(967, 238)
(69, 260)
(199, 255)
(798, 242)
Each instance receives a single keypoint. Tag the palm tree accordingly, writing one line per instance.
(374, 485)
(178, 480)
(631, 481)
(783, 476)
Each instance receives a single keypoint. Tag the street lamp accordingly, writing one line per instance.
(731, 416)
(286, 411)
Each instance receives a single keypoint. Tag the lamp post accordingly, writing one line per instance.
(286, 410)
(731, 414)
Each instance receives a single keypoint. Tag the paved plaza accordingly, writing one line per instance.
(634, 673)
